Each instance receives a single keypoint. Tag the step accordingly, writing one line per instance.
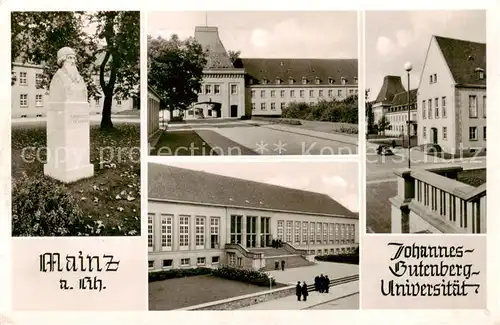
(291, 261)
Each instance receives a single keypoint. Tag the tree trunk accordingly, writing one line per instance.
(106, 112)
(171, 113)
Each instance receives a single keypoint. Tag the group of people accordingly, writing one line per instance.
(301, 291)
(276, 243)
(322, 284)
(277, 265)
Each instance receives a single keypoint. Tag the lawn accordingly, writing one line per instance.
(177, 143)
(112, 196)
(474, 177)
(189, 291)
(378, 207)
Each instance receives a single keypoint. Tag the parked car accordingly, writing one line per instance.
(384, 150)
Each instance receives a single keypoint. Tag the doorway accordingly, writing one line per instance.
(251, 232)
(434, 135)
(234, 110)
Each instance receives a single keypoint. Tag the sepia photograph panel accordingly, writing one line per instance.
(252, 83)
(253, 236)
(426, 122)
(75, 123)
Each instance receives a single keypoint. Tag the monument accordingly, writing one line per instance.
(68, 133)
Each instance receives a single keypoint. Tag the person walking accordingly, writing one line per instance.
(282, 265)
(321, 283)
(327, 284)
(298, 290)
(305, 293)
(276, 265)
(316, 283)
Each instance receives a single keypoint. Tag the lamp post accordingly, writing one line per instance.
(408, 68)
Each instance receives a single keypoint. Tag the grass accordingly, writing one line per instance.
(189, 291)
(112, 195)
(378, 207)
(474, 177)
(136, 112)
(178, 143)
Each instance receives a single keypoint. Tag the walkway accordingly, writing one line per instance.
(314, 299)
(308, 273)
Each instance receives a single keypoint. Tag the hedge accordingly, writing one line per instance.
(344, 258)
(226, 272)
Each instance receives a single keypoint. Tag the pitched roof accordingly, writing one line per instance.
(217, 57)
(402, 98)
(179, 184)
(392, 85)
(284, 69)
(463, 58)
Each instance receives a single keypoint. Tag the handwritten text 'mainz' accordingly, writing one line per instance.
(52, 262)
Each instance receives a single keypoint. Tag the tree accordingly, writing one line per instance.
(37, 36)
(175, 71)
(369, 113)
(234, 55)
(383, 124)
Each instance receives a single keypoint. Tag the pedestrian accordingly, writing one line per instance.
(304, 291)
(316, 283)
(282, 265)
(327, 284)
(321, 283)
(274, 243)
(276, 265)
(298, 290)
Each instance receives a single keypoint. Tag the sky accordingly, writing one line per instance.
(338, 180)
(268, 34)
(396, 37)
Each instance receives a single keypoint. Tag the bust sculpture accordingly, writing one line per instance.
(67, 84)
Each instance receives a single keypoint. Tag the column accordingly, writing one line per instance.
(258, 231)
(207, 232)
(244, 231)
(192, 233)
(175, 232)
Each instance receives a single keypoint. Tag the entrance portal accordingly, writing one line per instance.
(234, 110)
(434, 135)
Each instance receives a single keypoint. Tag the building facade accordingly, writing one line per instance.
(264, 87)
(452, 95)
(214, 220)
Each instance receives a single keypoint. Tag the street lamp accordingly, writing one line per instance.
(408, 68)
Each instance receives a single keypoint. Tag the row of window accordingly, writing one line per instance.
(214, 89)
(23, 78)
(312, 93)
(305, 81)
(473, 107)
(185, 262)
(473, 133)
(315, 232)
(23, 100)
(200, 235)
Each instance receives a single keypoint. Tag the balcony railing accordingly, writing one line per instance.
(245, 252)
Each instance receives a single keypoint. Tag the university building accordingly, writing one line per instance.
(452, 95)
(201, 219)
(29, 99)
(264, 87)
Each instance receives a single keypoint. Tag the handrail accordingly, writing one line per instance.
(336, 282)
(289, 248)
(245, 252)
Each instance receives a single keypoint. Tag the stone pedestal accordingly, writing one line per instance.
(68, 142)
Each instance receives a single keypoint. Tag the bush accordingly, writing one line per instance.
(243, 275)
(177, 273)
(344, 111)
(345, 128)
(291, 122)
(343, 258)
(179, 118)
(246, 117)
(42, 207)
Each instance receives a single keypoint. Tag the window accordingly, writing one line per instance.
(166, 232)
(264, 81)
(443, 104)
(214, 232)
(330, 93)
(430, 108)
(38, 79)
(150, 231)
(311, 93)
(423, 110)
(280, 229)
(289, 225)
(38, 100)
(424, 132)
(301, 94)
(151, 264)
(318, 232)
(240, 261)
(234, 89)
(330, 230)
(430, 79)
(325, 233)
(484, 106)
(339, 92)
(484, 132)
(217, 89)
(23, 100)
(312, 226)
(23, 78)
(296, 231)
(282, 106)
(278, 81)
(304, 231)
(236, 229)
(435, 78)
(344, 80)
(273, 93)
(436, 104)
(167, 263)
(282, 93)
(304, 81)
(320, 93)
(472, 106)
(292, 93)
(231, 258)
(262, 93)
(185, 262)
(200, 261)
(273, 106)
(473, 133)
(252, 93)
(337, 237)
(317, 81)
(291, 81)
(208, 89)
(262, 106)
(200, 232)
(119, 102)
(331, 81)
(184, 231)
(445, 133)
(215, 259)
(253, 106)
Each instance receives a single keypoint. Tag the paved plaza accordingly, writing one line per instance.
(348, 302)
(307, 273)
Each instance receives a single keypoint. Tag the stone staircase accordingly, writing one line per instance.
(278, 254)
